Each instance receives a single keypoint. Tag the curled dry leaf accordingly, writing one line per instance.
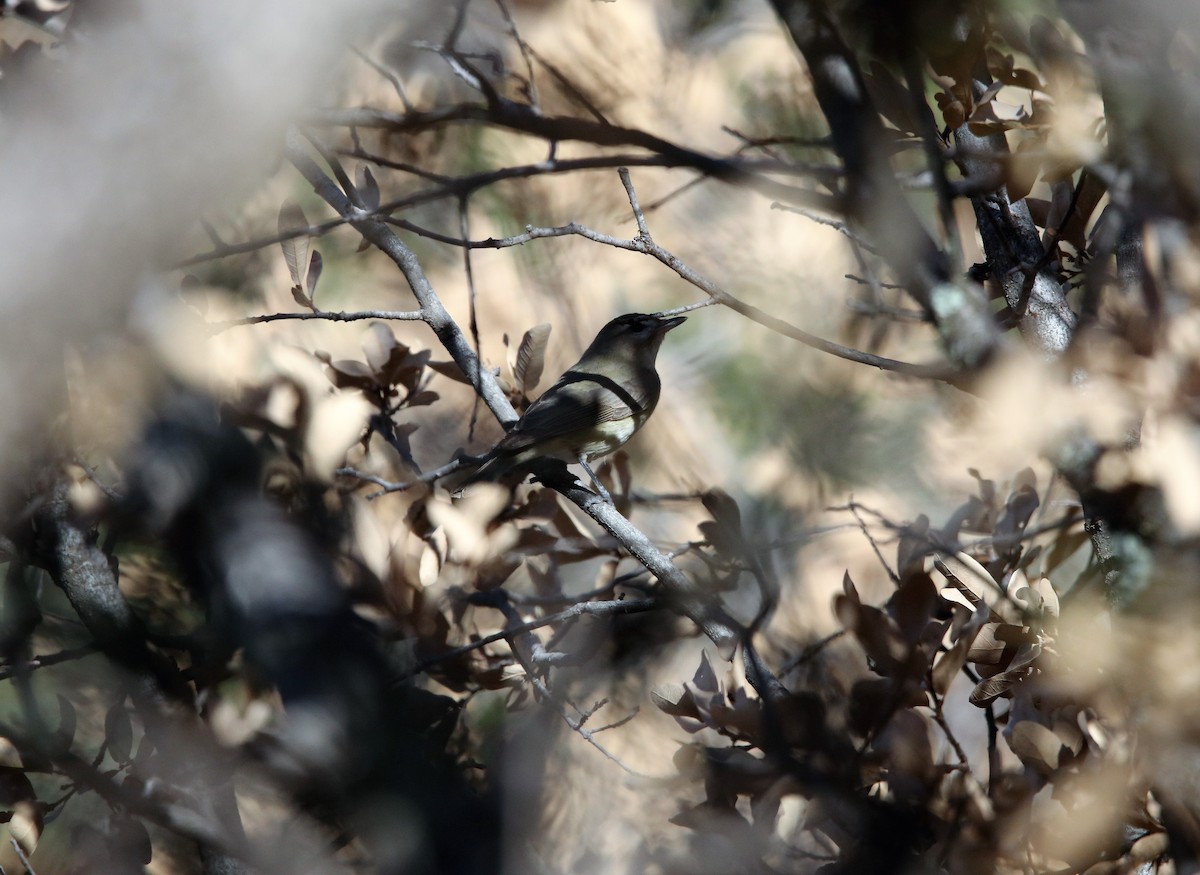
(997, 643)
(1038, 600)
(531, 358)
(1037, 747)
(963, 580)
(1004, 682)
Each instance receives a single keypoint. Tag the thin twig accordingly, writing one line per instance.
(324, 315)
(644, 243)
(386, 74)
(809, 652)
(21, 856)
(49, 659)
(580, 609)
(862, 526)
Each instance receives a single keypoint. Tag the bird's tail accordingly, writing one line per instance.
(491, 468)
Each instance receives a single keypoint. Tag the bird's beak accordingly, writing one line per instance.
(665, 325)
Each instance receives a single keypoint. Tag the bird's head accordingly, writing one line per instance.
(639, 334)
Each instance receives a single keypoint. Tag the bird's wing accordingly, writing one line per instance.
(576, 403)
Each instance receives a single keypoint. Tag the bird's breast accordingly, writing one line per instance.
(606, 437)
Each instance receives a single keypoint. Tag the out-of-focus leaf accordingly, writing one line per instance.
(67, 721)
(295, 248)
(450, 369)
(1018, 509)
(26, 825)
(131, 835)
(1149, 847)
(368, 188)
(675, 700)
(952, 109)
(725, 530)
(913, 546)
(970, 514)
(964, 573)
(997, 643)
(16, 30)
(531, 357)
(1064, 548)
(1024, 167)
(990, 689)
(949, 663)
(118, 733)
(1075, 228)
(906, 742)
(622, 480)
(315, 265)
(874, 700)
(705, 678)
(891, 98)
(1036, 746)
(379, 344)
(14, 787)
(421, 399)
(1002, 67)
(348, 373)
(912, 604)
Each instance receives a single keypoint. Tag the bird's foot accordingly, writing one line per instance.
(600, 490)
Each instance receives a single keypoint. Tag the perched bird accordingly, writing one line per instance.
(593, 408)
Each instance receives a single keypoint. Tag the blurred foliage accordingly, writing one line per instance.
(235, 612)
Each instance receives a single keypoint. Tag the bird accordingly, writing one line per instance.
(597, 405)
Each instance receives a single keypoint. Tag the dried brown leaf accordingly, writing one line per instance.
(1036, 746)
(674, 699)
(315, 265)
(300, 298)
(997, 643)
(531, 357)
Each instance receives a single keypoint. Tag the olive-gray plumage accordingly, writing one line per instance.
(595, 406)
